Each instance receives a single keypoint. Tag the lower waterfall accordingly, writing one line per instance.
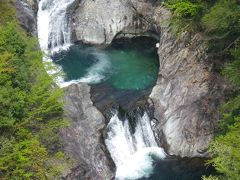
(133, 150)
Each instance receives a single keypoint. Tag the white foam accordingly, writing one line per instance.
(133, 154)
(96, 73)
(140, 164)
(53, 29)
(54, 36)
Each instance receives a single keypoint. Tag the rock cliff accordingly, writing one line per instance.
(187, 94)
(83, 140)
(185, 98)
(100, 21)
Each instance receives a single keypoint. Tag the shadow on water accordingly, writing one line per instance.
(180, 169)
(123, 73)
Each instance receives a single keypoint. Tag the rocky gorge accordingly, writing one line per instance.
(184, 101)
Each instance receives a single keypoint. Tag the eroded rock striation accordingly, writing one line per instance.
(187, 95)
(185, 98)
(83, 140)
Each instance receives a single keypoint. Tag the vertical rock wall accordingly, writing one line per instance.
(187, 95)
(99, 21)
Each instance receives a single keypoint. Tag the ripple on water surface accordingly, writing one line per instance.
(122, 68)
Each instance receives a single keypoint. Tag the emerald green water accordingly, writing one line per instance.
(121, 66)
(132, 70)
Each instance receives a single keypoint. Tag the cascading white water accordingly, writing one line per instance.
(54, 32)
(132, 153)
(54, 35)
(95, 73)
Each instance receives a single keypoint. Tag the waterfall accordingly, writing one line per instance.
(54, 32)
(54, 35)
(133, 152)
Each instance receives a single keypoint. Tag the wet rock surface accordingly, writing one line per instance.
(83, 140)
(26, 14)
(106, 97)
(187, 94)
(185, 99)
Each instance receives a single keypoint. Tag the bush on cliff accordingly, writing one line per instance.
(225, 148)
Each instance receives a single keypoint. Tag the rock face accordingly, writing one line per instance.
(185, 98)
(26, 14)
(83, 138)
(99, 21)
(187, 94)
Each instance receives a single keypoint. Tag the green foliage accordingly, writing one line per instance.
(218, 20)
(210, 178)
(222, 25)
(186, 14)
(7, 12)
(185, 9)
(222, 17)
(24, 160)
(30, 109)
(225, 148)
(232, 70)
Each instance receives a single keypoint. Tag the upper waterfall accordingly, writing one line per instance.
(132, 150)
(54, 32)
